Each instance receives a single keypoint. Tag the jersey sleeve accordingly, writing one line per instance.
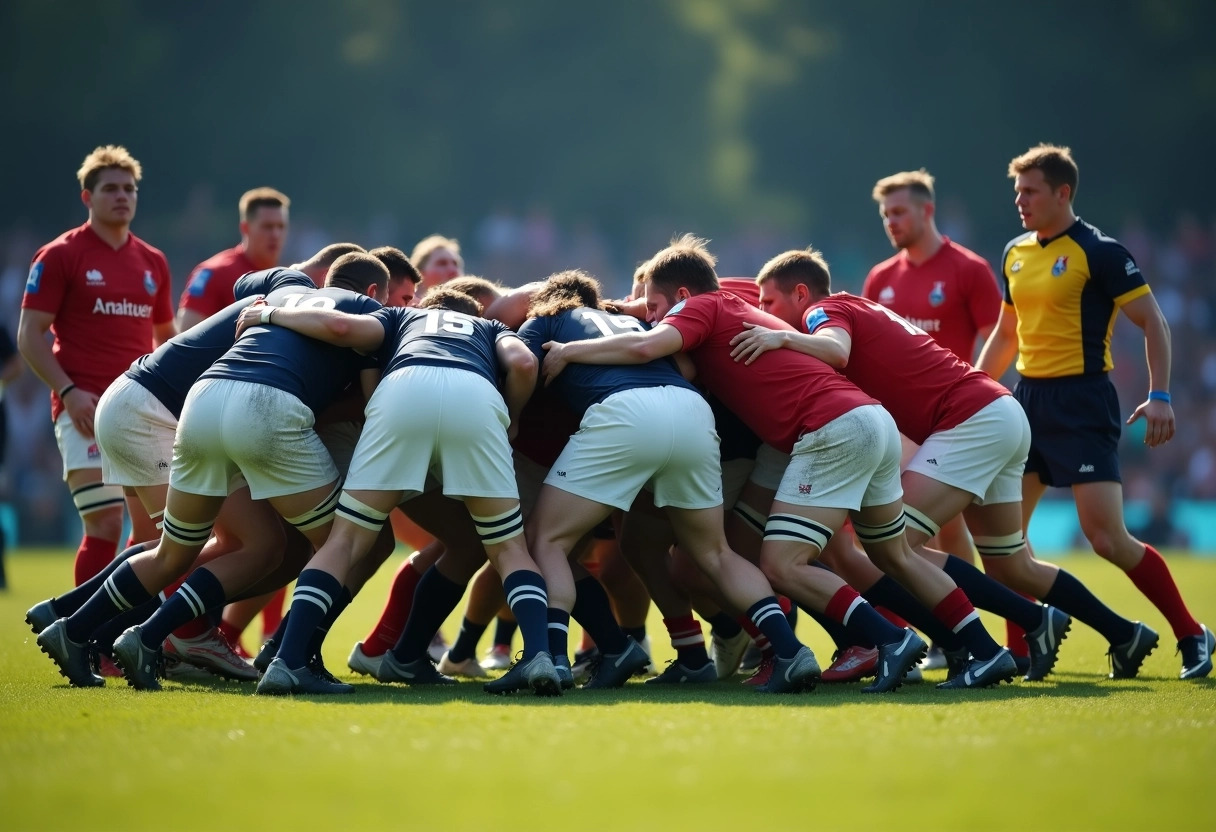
(1113, 269)
(534, 333)
(47, 283)
(200, 293)
(1004, 279)
(829, 313)
(265, 282)
(983, 296)
(694, 319)
(162, 304)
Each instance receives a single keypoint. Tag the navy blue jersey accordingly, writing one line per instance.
(439, 338)
(177, 363)
(313, 371)
(583, 385)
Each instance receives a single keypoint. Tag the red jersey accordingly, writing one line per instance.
(922, 384)
(744, 288)
(209, 288)
(780, 396)
(951, 296)
(105, 303)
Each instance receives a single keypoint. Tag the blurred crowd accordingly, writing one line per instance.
(514, 247)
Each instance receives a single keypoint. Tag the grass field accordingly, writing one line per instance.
(1075, 752)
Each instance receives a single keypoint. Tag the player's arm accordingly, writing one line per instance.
(162, 332)
(634, 307)
(1146, 314)
(626, 348)
(831, 345)
(512, 308)
(1001, 347)
(361, 332)
(520, 367)
(32, 328)
(187, 318)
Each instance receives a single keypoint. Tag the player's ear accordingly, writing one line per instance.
(86, 197)
(930, 210)
(372, 291)
(682, 294)
(244, 225)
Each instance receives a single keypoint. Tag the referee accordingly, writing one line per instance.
(1064, 282)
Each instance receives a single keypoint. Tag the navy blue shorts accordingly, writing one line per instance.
(1074, 428)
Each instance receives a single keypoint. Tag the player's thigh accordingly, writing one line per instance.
(561, 518)
(929, 504)
(849, 462)
(690, 477)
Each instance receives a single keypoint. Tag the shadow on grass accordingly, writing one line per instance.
(726, 694)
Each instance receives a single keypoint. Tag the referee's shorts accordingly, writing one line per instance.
(1074, 428)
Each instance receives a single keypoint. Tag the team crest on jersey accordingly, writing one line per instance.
(886, 295)
(1060, 266)
(937, 296)
(816, 318)
(93, 278)
(35, 279)
(1016, 267)
(149, 282)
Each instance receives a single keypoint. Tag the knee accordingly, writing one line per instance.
(776, 571)
(1103, 542)
(106, 524)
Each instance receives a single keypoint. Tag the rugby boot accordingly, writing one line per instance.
(982, 674)
(615, 669)
(140, 666)
(1197, 654)
(281, 680)
(71, 658)
(1044, 642)
(1125, 659)
(418, 672)
(895, 660)
(797, 673)
(676, 674)
(537, 673)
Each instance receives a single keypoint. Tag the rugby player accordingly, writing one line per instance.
(104, 294)
(1064, 284)
(250, 414)
(788, 399)
(444, 366)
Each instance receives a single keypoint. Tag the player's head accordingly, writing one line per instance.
(638, 289)
(318, 265)
(905, 203)
(263, 225)
(403, 278)
(564, 291)
(478, 288)
(358, 272)
(791, 282)
(683, 269)
(1045, 183)
(446, 298)
(109, 184)
(438, 258)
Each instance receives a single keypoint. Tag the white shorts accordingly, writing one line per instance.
(769, 468)
(529, 477)
(135, 432)
(78, 453)
(659, 438)
(851, 462)
(985, 455)
(231, 428)
(340, 439)
(440, 420)
(735, 474)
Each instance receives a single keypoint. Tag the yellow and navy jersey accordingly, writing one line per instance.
(1067, 291)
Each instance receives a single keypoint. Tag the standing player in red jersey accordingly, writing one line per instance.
(944, 289)
(263, 233)
(103, 294)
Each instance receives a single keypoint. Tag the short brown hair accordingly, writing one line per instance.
(429, 245)
(251, 201)
(325, 258)
(806, 266)
(478, 288)
(106, 157)
(358, 271)
(686, 262)
(444, 297)
(917, 182)
(398, 265)
(563, 291)
(1055, 161)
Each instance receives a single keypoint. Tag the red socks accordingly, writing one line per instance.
(687, 639)
(272, 613)
(1152, 577)
(955, 610)
(1015, 636)
(93, 556)
(396, 612)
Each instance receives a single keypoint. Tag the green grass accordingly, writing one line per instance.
(1076, 752)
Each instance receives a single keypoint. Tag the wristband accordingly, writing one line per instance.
(266, 313)
(66, 390)
(1158, 396)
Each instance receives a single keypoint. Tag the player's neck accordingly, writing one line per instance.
(115, 236)
(1058, 227)
(928, 245)
(258, 262)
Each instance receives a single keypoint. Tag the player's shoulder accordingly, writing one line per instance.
(144, 247)
(71, 240)
(1093, 241)
(964, 256)
(887, 267)
(1024, 241)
